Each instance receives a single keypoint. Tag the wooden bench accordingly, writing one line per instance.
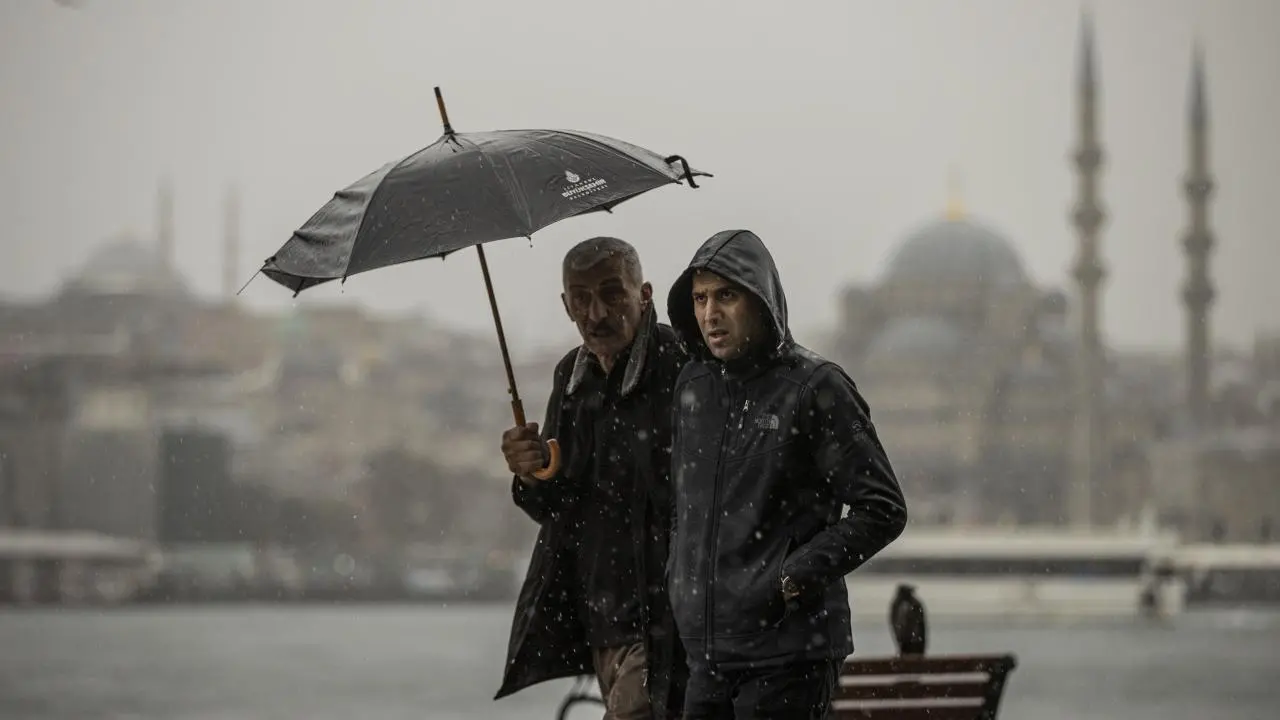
(941, 687)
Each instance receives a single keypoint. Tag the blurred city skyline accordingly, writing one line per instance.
(831, 133)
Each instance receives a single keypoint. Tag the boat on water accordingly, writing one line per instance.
(1216, 577)
(1032, 573)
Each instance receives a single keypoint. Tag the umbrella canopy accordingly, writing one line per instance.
(463, 190)
(467, 189)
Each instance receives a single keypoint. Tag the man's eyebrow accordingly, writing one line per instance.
(718, 287)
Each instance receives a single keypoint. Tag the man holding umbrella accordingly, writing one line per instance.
(594, 600)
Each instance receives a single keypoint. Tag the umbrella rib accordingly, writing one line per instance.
(686, 176)
(514, 191)
(604, 146)
(607, 207)
(364, 216)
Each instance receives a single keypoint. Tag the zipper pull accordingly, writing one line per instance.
(742, 415)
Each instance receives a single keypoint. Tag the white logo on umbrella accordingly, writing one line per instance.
(578, 187)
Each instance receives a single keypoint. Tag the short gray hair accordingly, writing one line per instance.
(593, 251)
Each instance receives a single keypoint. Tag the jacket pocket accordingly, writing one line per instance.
(785, 605)
(747, 594)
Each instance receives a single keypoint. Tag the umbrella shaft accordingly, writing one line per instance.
(517, 408)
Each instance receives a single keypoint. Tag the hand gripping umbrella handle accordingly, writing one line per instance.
(550, 446)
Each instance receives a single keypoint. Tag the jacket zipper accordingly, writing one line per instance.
(715, 527)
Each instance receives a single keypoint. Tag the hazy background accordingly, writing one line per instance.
(282, 442)
(830, 126)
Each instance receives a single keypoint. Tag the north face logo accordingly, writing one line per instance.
(767, 421)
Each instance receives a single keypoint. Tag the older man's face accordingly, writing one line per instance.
(607, 306)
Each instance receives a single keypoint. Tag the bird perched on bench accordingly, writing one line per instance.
(907, 618)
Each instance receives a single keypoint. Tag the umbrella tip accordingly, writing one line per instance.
(246, 282)
(444, 114)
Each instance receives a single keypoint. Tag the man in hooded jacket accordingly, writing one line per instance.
(771, 444)
(594, 599)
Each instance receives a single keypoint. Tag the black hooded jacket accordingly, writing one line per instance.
(767, 453)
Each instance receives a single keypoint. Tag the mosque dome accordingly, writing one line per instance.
(126, 266)
(956, 250)
(917, 337)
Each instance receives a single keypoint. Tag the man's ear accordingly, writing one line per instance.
(565, 302)
(646, 292)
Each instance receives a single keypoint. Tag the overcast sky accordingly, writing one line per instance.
(830, 125)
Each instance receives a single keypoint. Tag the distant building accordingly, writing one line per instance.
(968, 365)
(128, 403)
(1221, 486)
(1001, 402)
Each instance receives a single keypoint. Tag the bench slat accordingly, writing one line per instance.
(915, 713)
(914, 690)
(928, 664)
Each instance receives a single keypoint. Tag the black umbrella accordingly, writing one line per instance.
(467, 189)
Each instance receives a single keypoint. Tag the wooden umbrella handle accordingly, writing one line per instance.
(553, 461)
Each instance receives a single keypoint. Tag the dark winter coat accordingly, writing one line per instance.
(547, 639)
(768, 452)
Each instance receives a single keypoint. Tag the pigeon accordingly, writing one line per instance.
(907, 618)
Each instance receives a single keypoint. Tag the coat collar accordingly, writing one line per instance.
(636, 363)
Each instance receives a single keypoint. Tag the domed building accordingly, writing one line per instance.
(126, 265)
(957, 248)
(967, 365)
(996, 407)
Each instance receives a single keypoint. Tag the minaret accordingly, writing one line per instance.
(1090, 435)
(1198, 291)
(230, 244)
(164, 225)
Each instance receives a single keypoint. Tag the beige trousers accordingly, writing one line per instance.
(623, 677)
